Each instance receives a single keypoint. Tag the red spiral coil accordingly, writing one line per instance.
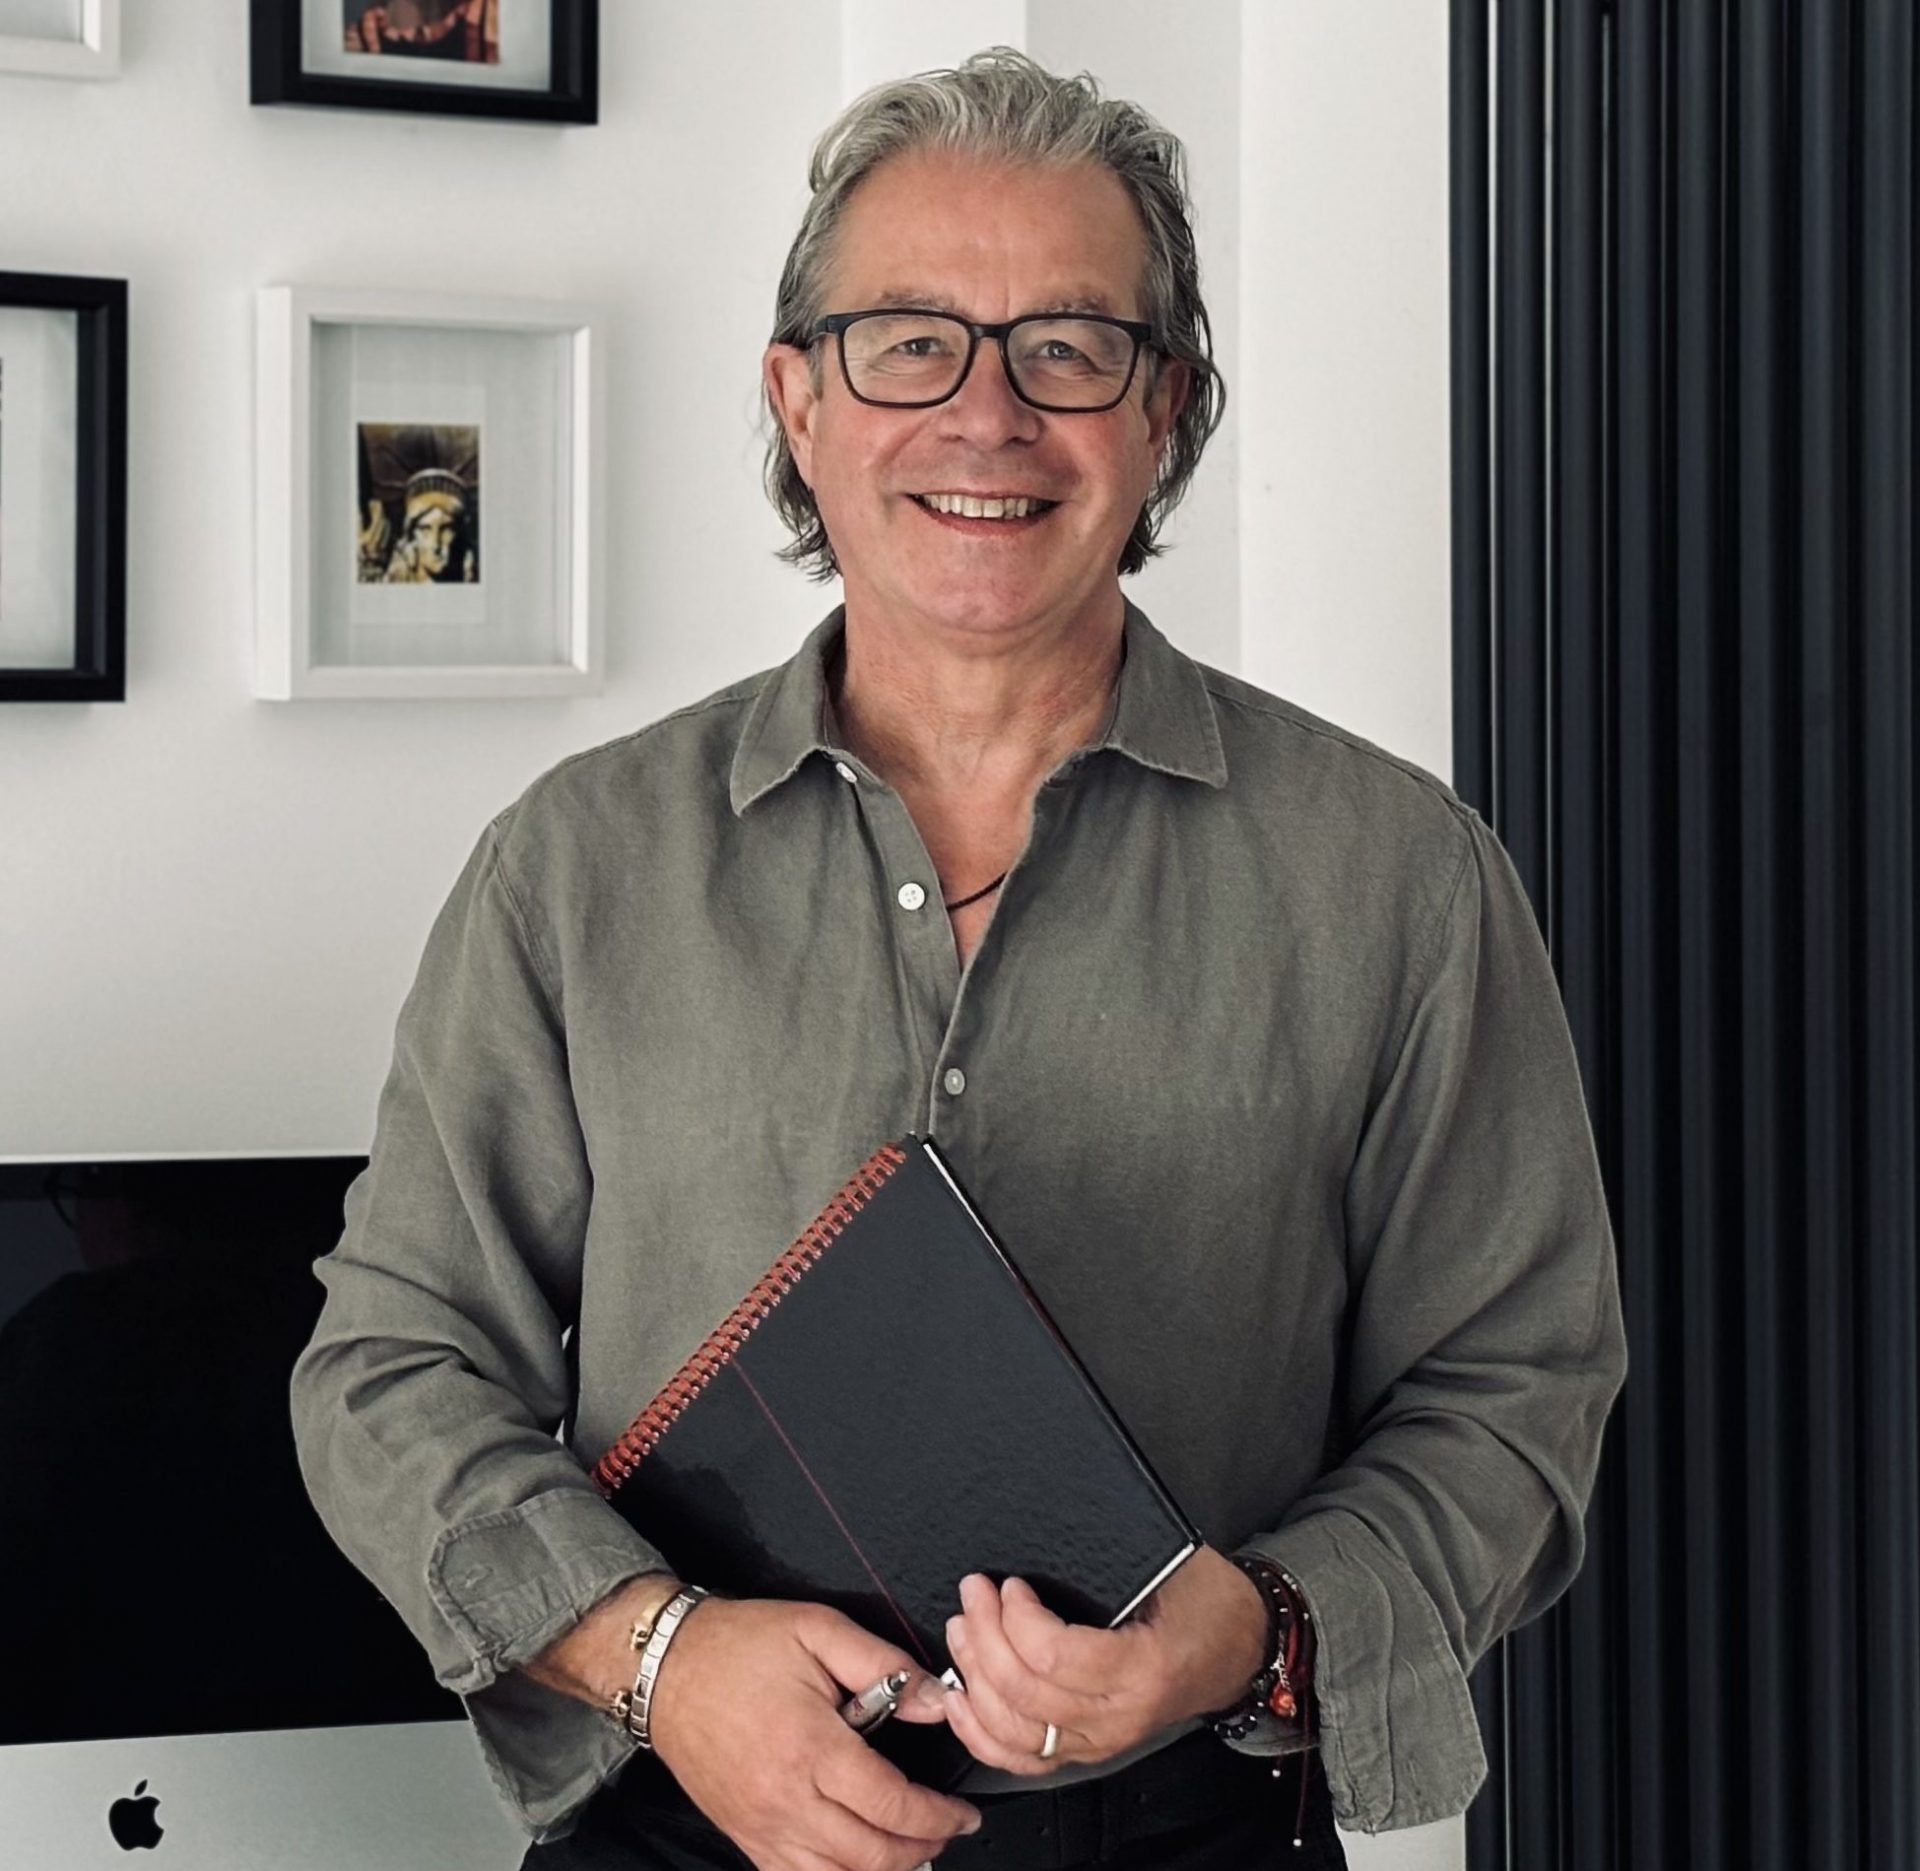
(644, 1432)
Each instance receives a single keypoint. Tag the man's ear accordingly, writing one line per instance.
(1172, 384)
(787, 372)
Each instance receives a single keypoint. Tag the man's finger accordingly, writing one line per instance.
(1076, 1657)
(876, 1793)
(850, 1657)
(1014, 1713)
(844, 1838)
(964, 1719)
(1006, 1681)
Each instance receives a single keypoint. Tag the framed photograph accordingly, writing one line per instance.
(427, 498)
(63, 488)
(532, 59)
(60, 38)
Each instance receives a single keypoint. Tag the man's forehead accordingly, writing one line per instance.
(923, 224)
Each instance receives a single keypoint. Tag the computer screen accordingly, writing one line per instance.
(163, 1569)
(191, 1666)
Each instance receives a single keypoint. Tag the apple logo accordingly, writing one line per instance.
(132, 1823)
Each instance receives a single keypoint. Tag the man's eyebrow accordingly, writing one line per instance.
(941, 302)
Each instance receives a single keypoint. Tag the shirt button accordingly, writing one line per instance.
(954, 1080)
(846, 772)
(911, 896)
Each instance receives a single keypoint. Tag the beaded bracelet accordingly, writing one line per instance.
(1283, 1686)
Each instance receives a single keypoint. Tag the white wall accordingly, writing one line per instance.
(1343, 488)
(197, 876)
(211, 906)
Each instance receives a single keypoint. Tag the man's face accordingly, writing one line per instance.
(990, 242)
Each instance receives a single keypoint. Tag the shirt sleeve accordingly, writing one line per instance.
(426, 1408)
(1486, 1349)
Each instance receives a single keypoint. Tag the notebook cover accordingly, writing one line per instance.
(889, 1409)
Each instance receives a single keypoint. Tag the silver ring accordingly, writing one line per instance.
(1052, 1741)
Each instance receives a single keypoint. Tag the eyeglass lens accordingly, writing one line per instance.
(914, 357)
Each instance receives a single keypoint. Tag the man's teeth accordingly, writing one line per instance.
(974, 509)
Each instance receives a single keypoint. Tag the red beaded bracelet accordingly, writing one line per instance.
(1284, 1686)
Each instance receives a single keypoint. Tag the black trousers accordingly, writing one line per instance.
(1193, 1806)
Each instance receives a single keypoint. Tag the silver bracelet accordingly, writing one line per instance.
(633, 1708)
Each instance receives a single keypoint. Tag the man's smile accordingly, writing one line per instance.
(984, 513)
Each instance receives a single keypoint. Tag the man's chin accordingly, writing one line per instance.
(985, 613)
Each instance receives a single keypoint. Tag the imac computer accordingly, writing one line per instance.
(192, 1676)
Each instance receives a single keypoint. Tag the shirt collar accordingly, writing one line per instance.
(1164, 718)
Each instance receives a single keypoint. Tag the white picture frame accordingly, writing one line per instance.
(518, 384)
(94, 54)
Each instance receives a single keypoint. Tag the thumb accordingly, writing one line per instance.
(856, 1660)
(923, 1700)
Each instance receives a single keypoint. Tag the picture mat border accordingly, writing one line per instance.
(283, 498)
(98, 672)
(572, 95)
(95, 55)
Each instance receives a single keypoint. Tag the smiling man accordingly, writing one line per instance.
(1240, 1027)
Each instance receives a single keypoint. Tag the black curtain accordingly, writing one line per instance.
(1683, 602)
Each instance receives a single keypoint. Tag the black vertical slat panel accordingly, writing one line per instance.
(1588, 1616)
(1579, 662)
(1830, 1704)
(1469, 346)
(1709, 1210)
(1520, 466)
(1583, 907)
(1890, 1476)
(1656, 1738)
(1769, 865)
(1608, 1116)
(1744, 842)
(1534, 1673)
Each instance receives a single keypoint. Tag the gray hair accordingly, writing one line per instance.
(1000, 104)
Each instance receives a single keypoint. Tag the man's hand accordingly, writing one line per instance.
(1193, 1648)
(746, 1716)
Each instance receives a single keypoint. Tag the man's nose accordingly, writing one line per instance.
(986, 406)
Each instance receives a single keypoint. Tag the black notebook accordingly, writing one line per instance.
(889, 1409)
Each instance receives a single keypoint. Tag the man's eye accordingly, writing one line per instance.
(905, 346)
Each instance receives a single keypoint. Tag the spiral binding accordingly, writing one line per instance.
(643, 1434)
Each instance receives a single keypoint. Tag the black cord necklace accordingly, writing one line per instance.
(986, 890)
(1001, 878)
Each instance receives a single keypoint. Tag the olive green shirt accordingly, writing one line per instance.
(1260, 1070)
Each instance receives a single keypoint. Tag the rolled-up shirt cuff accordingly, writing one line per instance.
(508, 1584)
(1395, 1722)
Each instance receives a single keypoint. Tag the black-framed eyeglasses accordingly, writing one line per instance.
(905, 358)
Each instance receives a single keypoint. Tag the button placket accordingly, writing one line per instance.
(947, 1093)
(925, 967)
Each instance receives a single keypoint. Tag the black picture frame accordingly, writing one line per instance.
(572, 95)
(98, 672)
